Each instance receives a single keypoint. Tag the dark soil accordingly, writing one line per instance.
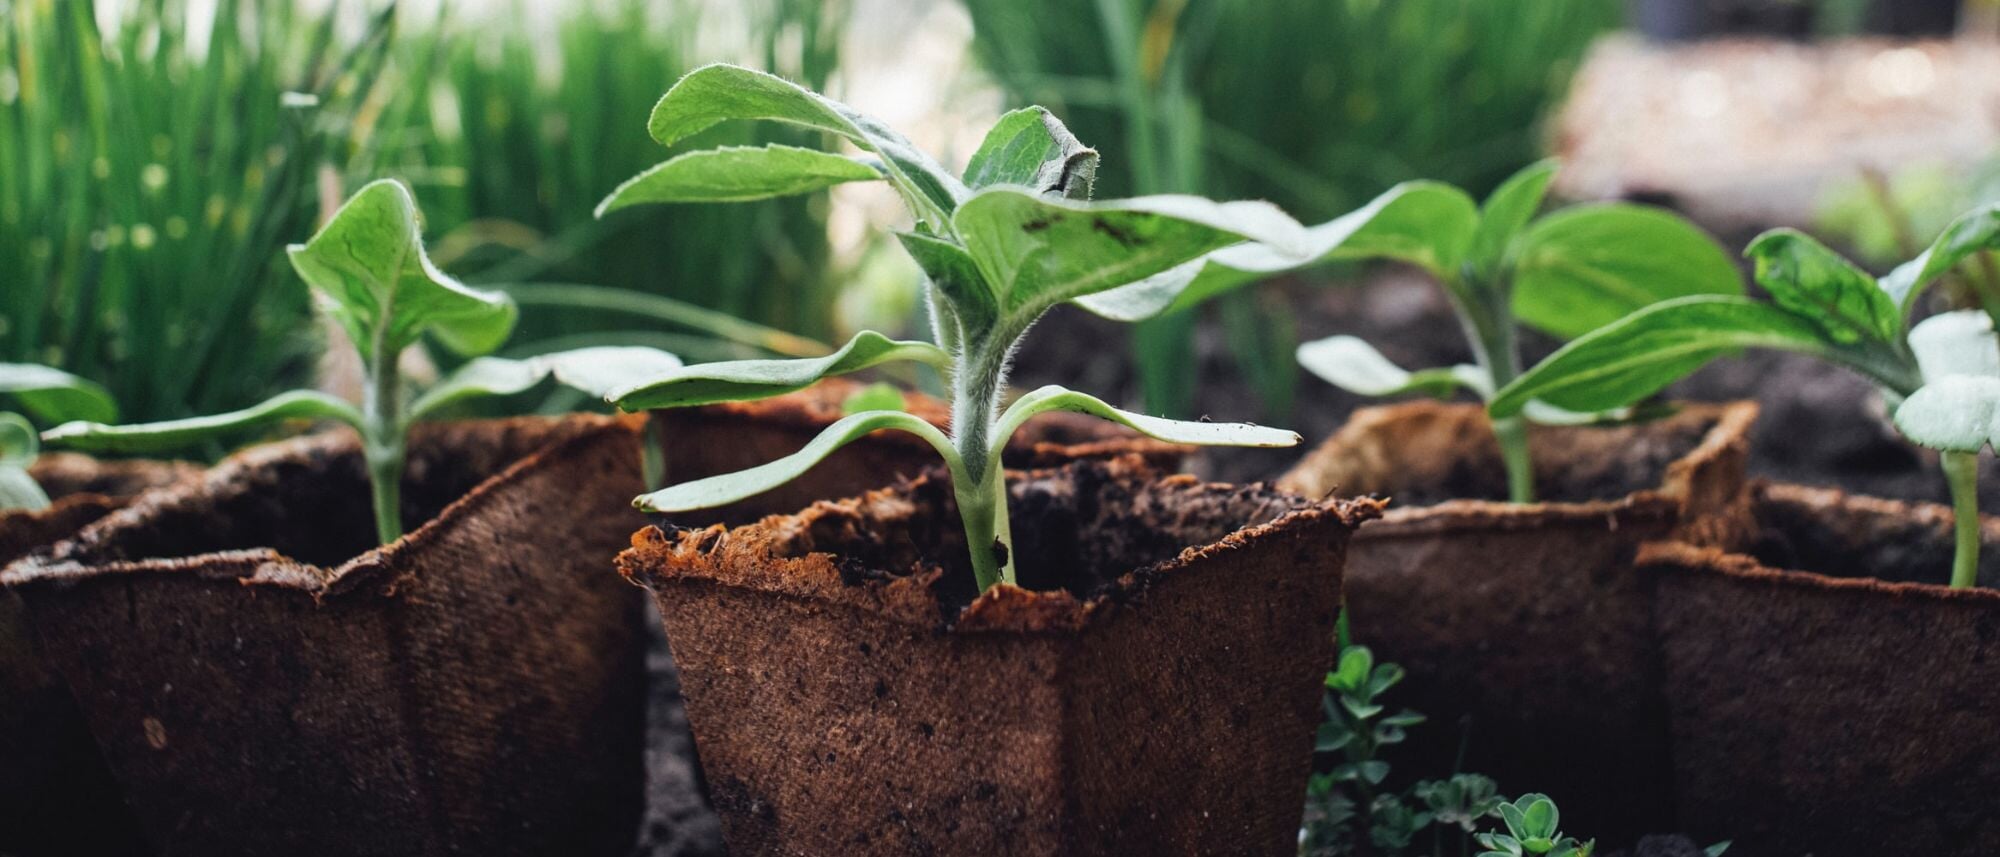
(1662, 846)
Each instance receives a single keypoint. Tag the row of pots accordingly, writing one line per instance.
(477, 686)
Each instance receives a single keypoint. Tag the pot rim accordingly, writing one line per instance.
(749, 559)
(267, 567)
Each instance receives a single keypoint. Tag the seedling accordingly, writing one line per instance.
(1563, 274)
(368, 270)
(49, 395)
(1941, 376)
(1532, 829)
(999, 244)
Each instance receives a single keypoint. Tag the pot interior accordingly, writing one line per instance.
(1841, 536)
(1079, 528)
(310, 500)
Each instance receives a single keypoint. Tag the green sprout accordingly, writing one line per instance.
(367, 269)
(999, 244)
(1532, 829)
(1941, 376)
(1563, 274)
(48, 395)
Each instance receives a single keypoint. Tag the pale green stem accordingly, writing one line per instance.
(382, 443)
(1492, 337)
(1512, 432)
(982, 494)
(653, 453)
(1961, 470)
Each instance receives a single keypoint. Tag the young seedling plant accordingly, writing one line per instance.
(1941, 376)
(1563, 274)
(368, 270)
(48, 395)
(999, 244)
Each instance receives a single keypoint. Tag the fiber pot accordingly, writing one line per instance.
(262, 680)
(1523, 626)
(1827, 694)
(1153, 691)
(56, 796)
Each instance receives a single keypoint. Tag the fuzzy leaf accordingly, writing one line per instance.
(368, 269)
(53, 396)
(1506, 212)
(738, 174)
(1816, 283)
(1426, 224)
(954, 278)
(1636, 356)
(1584, 267)
(1956, 413)
(1956, 343)
(1032, 148)
(730, 487)
(1353, 365)
(1054, 398)
(740, 380)
(154, 438)
(1974, 232)
(1036, 252)
(714, 94)
(597, 371)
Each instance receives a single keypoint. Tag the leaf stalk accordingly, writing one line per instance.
(1961, 471)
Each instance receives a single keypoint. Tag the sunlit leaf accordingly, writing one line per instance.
(52, 395)
(1956, 412)
(1816, 283)
(1586, 266)
(737, 174)
(1032, 148)
(1506, 212)
(171, 435)
(1976, 231)
(1956, 343)
(739, 380)
(1351, 364)
(874, 397)
(1054, 398)
(731, 487)
(596, 370)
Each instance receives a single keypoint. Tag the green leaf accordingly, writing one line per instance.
(52, 395)
(1054, 398)
(1634, 357)
(874, 397)
(597, 371)
(1036, 251)
(739, 380)
(1586, 266)
(1956, 413)
(717, 93)
(1426, 224)
(955, 278)
(18, 442)
(1356, 664)
(1542, 817)
(1805, 277)
(737, 174)
(368, 269)
(1956, 343)
(731, 487)
(160, 437)
(19, 491)
(1506, 212)
(1353, 365)
(1032, 148)
(1974, 232)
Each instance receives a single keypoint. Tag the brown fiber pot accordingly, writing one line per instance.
(1156, 696)
(56, 796)
(1523, 627)
(262, 681)
(1827, 695)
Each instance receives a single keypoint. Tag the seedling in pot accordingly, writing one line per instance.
(368, 270)
(1941, 376)
(1563, 274)
(49, 395)
(999, 244)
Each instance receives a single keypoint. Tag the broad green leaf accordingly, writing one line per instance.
(1974, 232)
(1586, 266)
(1805, 277)
(54, 396)
(18, 448)
(954, 278)
(1638, 355)
(1054, 398)
(368, 269)
(596, 370)
(743, 484)
(1032, 148)
(1353, 365)
(739, 380)
(1036, 252)
(19, 491)
(1542, 818)
(738, 174)
(1955, 412)
(1426, 224)
(718, 93)
(874, 397)
(1506, 212)
(155, 438)
(1956, 343)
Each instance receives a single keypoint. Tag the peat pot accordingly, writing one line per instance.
(56, 797)
(262, 680)
(1523, 627)
(1152, 691)
(1827, 694)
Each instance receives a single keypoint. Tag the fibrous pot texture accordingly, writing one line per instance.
(1152, 690)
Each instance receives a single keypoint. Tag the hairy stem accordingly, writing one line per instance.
(1961, 470)
(982, 501)
(383, 443)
